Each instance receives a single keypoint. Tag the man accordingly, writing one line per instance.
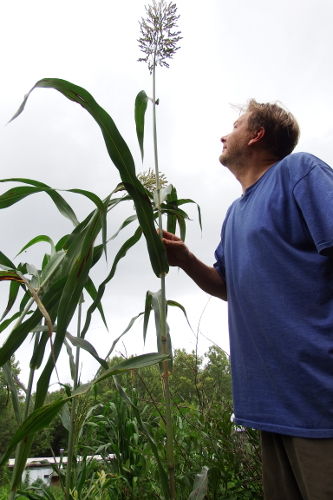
(274, 266)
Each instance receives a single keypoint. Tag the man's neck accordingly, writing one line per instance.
(248, 174)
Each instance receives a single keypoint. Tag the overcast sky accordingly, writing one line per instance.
(230, 52)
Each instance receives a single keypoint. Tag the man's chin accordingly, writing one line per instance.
(223, 160)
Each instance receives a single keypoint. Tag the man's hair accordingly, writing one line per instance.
(281, 128)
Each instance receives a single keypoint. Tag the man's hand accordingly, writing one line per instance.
(177, 252)
(206, 277)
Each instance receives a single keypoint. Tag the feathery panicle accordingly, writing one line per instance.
(148, 179)
(158, 39)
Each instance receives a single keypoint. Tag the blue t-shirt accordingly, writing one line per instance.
(273, 256)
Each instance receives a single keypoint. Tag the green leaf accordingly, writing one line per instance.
(156, 305)
(134, 363)
(8, 321)
(121, 253)
(79, 255)
(173, 303)
(87, 346)
(18, 193)
(171, 218)
(52, 266)
(91, 289)
(129, 326)
(42, 416)
(141, 102)
(122, 159)
(183, 201)
(37, 420)
(38, 239)
(102, 207)
(148, 308)
(39, 350)
(162, 472)
(13, 292)
(123, 225)
(5, 261)
(70, 359)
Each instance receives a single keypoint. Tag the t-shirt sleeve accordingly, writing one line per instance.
(219, 256)
(314, 196)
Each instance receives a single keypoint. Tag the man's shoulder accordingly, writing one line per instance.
(299, 165)
(303, 159)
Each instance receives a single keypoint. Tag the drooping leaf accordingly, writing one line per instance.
(17, 194)
(173, 303)
(154, 302)
(129, 326)
(38, 239)
(122, 159)
(123, 225)
(184, 201)
(87, 346)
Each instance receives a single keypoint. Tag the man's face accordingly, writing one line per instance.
(235, 144)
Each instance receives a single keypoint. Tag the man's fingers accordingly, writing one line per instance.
(170, 236)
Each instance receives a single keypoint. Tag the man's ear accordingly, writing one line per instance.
(257, 136)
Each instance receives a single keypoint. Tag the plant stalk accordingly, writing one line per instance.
(30, 382)
(12, 494)
(163, 325)
(72, 433)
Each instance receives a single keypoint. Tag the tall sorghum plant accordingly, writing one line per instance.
(158, 42)
(55, 300)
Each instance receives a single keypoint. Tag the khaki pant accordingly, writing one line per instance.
(297, 468)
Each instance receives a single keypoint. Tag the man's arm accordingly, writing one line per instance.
(206, 277)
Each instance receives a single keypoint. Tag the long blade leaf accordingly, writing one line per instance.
(122, 159)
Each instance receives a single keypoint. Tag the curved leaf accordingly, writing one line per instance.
(182, 308)
(38, 239)
(87, 346)
(122, 159)
(62, 205)
(129, 326)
